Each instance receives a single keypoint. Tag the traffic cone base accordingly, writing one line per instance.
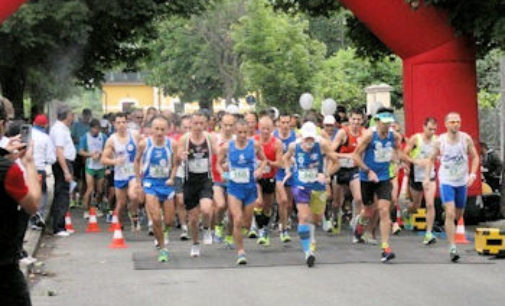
(117, 239)
(93, 224)
(460, 236)
(68, 223)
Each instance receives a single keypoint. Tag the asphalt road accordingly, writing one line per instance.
(83, 271)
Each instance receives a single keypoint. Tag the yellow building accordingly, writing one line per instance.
(123, 91)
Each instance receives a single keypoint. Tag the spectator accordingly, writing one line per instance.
(491, 166)
(9, 110)
(20, 194)
(43, 154)
(62, 169)
(78, 129)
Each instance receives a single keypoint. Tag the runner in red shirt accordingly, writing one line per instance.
(272, 148)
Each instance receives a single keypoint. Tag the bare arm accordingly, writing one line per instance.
(107, 155)
(429, 163)
(221, 156)
(278, 163)
(138, 159)
(339, 139)
(261, 158)
(474, 165)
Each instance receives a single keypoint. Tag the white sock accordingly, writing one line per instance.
(312, 232)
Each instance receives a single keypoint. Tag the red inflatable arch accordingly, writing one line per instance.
(439, 72)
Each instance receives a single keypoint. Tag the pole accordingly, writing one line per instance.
(502, 133)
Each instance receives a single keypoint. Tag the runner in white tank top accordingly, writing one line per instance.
(455, 148)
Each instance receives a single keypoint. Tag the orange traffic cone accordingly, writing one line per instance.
(115, 222)
(93, 224)
(68, 223)
(460, 236)
(117, 239)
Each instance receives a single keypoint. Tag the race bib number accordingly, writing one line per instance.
(346, 162)
(240, 175)
(455, 171)
(159, 171)
(126, 170)
(307, 175)
(383, 155)
(198, 165)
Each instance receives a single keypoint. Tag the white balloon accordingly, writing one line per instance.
(275, 112)
(328, 107)
(306, 101)
(232, 109)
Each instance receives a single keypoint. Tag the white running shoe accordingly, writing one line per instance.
(195, 250)
(85, 215)
(207, 237)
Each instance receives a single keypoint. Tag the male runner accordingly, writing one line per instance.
(309, 182)
(91, 146)
(195, 150)
(155, 167)
(120, 150)
(283, 192)
(454, 148)
(345, 143)
(185, 127)
(373, 155)
(225, 134)
(272, 148)
(242, 174)
(420, 146)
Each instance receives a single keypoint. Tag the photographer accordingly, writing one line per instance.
(20, 194)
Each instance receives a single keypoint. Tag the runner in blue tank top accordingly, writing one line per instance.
(310, 178)
(155, 166)
(241, 173)
(373, 155)
(283, 192)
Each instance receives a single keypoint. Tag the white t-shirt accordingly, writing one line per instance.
(43, 150)
(60, 135)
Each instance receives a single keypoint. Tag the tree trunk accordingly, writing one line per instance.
(13, 87)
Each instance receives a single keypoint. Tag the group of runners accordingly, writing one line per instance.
(230, 182)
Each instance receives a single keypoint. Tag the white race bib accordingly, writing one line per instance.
(126, 169)
(266, 169)
(307, 175)
(198, 165)
(240, 175)
(346, 162)
(383, 155)
(157, 171)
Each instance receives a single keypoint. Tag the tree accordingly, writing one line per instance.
(330, 30)
(344, 75)
(50, 44)
(278, 58)
(482, 20)
(194, 57)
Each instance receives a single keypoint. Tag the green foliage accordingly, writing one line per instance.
(344, 75)
(278, 58)
(194, 58)
(488, 70)
(331, 30)
(48, 45)
(482, 20)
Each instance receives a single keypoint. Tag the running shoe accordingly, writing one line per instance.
(85, 215)
(62, 234)
(163, 255)
(262, 237)
(244, 232)
(207, 236)
(387, 255)
(313, 246)
(396, 229)
(108, 218)
(337, 227)
(184, 235)
(310, 259)
(229, 242)
(241, 259)
(429, 239)
(358, 233)
(453, 254)
(218, 233)
(252, 233)
(285, 236)
(195, 250)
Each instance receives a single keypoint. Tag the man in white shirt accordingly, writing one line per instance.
(62, 169)
(43, 155)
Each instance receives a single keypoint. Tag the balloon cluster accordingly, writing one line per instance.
(328, 107)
